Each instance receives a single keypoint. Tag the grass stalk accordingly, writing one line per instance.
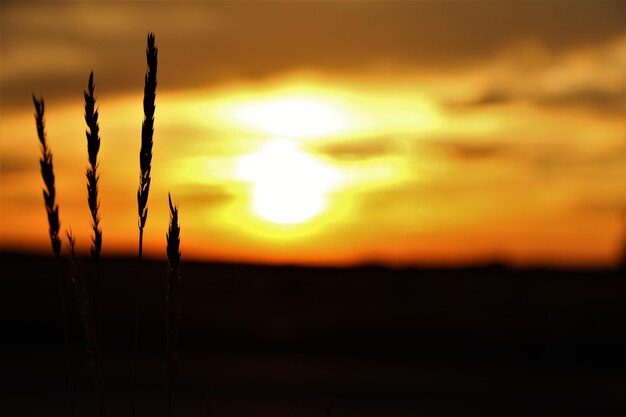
(145, 161)
(52, 210)
(85, 312)
(172, 302)
(93, 147)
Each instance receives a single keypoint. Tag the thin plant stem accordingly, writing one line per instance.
(85, 313)
(54, 224)
(136, 325)
(66, 340)
(172, 303)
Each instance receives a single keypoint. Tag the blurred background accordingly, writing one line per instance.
(328, 133)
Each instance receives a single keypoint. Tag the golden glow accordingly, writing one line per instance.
(300, 108)
(518, 156)
(289, 185)
(295, 117)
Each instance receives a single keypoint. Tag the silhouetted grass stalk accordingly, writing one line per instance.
(145, 160)
(93, 146)
(172, 302)
(85, 312)
(52, 210)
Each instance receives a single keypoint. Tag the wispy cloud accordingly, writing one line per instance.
(207, 43)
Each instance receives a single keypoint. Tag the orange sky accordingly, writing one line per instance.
(328, 132)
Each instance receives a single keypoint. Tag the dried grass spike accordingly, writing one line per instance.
(47, 173)
(52, 211)
(147, 130)
(93, 147)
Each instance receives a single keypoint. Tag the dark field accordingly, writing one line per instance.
(275, 341)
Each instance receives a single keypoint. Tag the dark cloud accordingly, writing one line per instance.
(191, 137)
(27, 200)
(49, 47)
(204, 196)
(553, 161)
(489, 97)
(591, 98)
(355, 149)
(493, 97)
(17, 165)
(604, 101)
(464, 150)
(601, 206)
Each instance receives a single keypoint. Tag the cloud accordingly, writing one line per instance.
(50, 48)
(17, 165)
(491, 97)
(601, 205)
(604, 101)
(352, 149)
(203, 196)
(487, 98)
(463, 150)
(602, 166)
(589, 78)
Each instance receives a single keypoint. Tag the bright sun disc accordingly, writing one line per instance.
(289, 185)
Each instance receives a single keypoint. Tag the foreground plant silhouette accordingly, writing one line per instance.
(172, 302)
(52, 210)
(85, 313)
(92, 332)
(145, 161)
(93, 147)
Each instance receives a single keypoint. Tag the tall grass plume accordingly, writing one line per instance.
(47, 173)
(54, 224)
(145, 162)
(147, 131)
(93, 146)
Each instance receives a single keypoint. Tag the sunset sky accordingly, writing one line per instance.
(401, 133)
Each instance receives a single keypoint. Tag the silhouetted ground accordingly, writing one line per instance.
(274, 341)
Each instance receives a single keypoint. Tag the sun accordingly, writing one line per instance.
(290, 185)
